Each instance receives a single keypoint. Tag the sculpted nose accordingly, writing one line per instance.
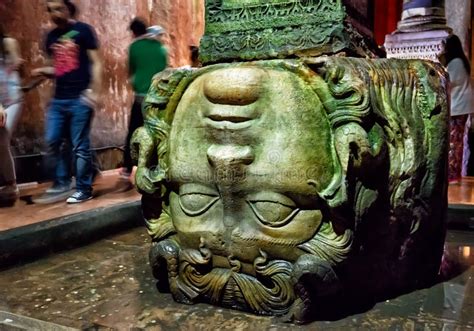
(229, 162)
(223, 156)
(234, 86)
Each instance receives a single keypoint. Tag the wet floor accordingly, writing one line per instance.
(109, 285)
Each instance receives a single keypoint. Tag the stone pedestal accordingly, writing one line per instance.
(421, 32)
(257, 30)
(424, 45)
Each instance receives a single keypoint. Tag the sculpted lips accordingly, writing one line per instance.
(232, 94)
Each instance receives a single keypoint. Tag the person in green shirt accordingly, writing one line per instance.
(146, 57)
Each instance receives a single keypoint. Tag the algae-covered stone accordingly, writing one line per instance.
(285, 182)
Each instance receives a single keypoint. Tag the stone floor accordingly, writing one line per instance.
(462, 193)
(26, 212)
(108, 285)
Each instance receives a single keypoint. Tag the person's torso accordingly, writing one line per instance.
(149, 58)
(68, 50)
(9, 81)
(461, 91)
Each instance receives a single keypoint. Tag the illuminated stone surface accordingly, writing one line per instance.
(281, 182)
(291, 186)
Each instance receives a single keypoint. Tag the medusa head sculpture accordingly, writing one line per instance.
(275, 186)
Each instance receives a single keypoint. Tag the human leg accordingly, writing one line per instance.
(6, 160)
(456, 142)
(55, 133)
(7, 165)
(81, 118)
(466, 148)
(136, 121)
(9, 192)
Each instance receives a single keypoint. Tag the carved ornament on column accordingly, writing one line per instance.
(421, 32)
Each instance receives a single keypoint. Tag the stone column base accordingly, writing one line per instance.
(426, 45)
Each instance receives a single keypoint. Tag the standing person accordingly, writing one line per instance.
(146, 57)
(194, 50)
(75, 64)
(459, 70)
(10, 108)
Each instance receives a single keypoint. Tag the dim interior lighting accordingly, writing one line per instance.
(466, 251)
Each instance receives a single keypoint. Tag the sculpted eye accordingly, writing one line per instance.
(195, 204)
(273, 209)
(196, 199)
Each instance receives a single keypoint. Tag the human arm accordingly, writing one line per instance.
(46, 71)
(165, 53)
(13, 48)
(3, 116)
(90, 42)
(96, 71)
(131, 63)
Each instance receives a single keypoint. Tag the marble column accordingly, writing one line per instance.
(458, 15)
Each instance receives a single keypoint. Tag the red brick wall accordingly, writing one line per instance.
(28, 21)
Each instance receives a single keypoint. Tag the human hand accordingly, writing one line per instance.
(17, 65)
(43, 71)
(3, 117)
(90, 98)
(37, 72)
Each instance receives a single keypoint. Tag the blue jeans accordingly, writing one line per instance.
(70, 120)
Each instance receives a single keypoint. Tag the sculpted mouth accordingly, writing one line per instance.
(228, 120)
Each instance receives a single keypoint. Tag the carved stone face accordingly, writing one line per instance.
(272, 186)
(250, 149)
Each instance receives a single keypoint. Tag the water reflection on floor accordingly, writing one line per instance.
(109, 284)
(455, 300)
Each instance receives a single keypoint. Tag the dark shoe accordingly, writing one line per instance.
(47, 198)
(9, 192)
(8, 195)
(58, 188)
(79, 197)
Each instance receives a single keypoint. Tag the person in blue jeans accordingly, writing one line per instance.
(74, 63)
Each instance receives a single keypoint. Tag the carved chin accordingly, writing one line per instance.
(265, 288)
(268, 292)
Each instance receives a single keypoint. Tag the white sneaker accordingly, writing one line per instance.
(78, 197)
